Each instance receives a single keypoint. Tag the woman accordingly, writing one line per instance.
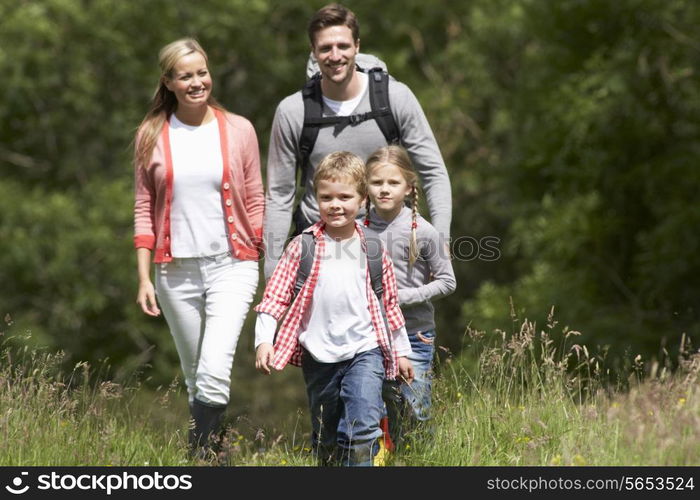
(198, 210)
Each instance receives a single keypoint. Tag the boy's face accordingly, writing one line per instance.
(338, 202)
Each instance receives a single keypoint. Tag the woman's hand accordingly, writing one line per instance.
(146, 298)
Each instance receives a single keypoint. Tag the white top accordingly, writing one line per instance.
(197, 225)
(345, 108)
(338, 325)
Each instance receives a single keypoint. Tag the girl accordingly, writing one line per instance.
(198, 210)
(423, 272)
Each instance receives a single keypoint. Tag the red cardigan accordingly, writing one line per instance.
(242, 195)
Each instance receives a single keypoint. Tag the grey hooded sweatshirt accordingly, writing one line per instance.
(430, 277)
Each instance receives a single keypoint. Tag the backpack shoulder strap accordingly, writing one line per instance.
(374, 261)
(314, 119)
(308, 248)
(379, 100)
(313, 109)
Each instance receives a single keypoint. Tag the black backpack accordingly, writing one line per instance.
(314, 119)
(374, 261)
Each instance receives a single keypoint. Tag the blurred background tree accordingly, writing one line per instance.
(569, 128)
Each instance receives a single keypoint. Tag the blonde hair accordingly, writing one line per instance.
(398, 157)
(342, 165)
(164, 103)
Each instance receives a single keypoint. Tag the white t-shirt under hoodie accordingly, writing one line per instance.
(345, 108)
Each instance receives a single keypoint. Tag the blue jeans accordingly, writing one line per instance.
(345, 400)
(405, 403)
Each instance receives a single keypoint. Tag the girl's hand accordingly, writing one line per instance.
(263, 358)
(146, 298)
(406, 370)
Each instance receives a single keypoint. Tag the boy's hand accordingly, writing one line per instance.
(263, 357)
(406, 369)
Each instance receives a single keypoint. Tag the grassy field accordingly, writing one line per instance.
(516, 398)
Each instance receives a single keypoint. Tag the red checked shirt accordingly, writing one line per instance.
(280, 288)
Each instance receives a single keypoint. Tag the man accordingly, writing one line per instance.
(335, 43)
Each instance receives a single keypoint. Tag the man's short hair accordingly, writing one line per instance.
(342, 166)
(333, 15)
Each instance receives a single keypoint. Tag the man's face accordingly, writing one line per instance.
(335, 52)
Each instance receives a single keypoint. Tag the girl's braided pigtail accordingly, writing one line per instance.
(413, 244)
(367, 205)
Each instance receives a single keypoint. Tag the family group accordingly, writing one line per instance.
(351, 288)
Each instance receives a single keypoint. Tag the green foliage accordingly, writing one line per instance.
(602, 134)
(67, 258)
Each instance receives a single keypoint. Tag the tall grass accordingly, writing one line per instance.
(53, 417)
(531, 401)
(48, 417)
(516, 398)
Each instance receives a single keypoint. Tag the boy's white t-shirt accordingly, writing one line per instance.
(197, 225)
(338, 325)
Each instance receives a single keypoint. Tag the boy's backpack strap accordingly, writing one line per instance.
(374, 261)
(306, 260)
(379, 101)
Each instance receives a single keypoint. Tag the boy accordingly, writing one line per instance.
(334, 328)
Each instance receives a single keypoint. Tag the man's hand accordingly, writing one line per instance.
(263, 358)
(405, 369)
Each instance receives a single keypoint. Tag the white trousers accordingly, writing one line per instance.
(205, 301)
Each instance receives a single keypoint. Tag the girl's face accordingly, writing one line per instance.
(190, 82)
(387, 190)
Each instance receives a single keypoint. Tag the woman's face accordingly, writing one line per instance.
(190, 81)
